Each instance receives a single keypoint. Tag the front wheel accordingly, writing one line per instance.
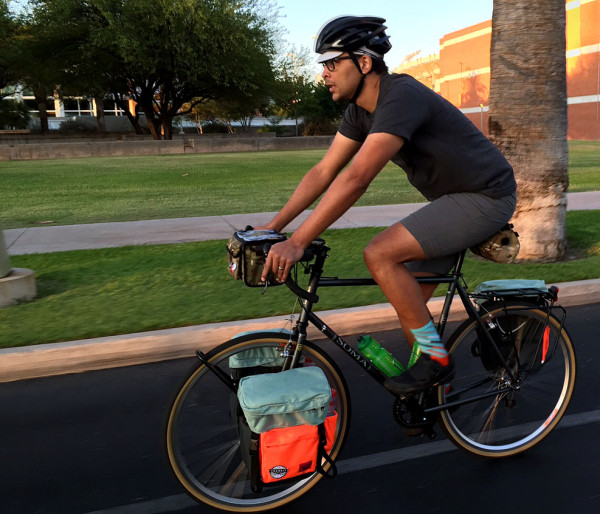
(203, 441)
(495, 416)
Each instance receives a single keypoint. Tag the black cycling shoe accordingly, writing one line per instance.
(425, 373)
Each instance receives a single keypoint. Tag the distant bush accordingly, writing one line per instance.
(319, 128)
(13, 114)
(278, 129)
(75, 126)
(215, 127)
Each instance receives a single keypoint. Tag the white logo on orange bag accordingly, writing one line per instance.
(278, 472)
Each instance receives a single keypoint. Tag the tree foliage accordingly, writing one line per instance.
(169, 56)
(189, 51)
(300, 95)
(8, 60)
(14, 114)
(161, 53)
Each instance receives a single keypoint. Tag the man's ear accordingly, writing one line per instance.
(366, 63)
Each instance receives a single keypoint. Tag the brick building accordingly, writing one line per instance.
(461, 71)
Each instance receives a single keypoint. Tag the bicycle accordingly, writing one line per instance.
(515, 374)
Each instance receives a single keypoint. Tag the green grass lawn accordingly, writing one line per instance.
(584, 166)
(169, 186)
(122, 290)
(93, 190)
(94, 293)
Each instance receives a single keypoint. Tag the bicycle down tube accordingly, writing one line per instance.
(454, 286)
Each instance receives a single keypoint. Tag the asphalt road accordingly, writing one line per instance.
(93, 442)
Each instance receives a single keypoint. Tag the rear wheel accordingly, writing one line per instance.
(505, 417)
(203, 442)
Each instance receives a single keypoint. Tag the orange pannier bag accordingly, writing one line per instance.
(288, 424)
(292, 451)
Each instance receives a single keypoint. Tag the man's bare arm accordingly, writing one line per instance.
(316, 181)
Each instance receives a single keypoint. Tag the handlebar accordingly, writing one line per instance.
(299, 292)
(317, 247)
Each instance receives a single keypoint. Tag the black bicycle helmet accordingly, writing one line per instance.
(357, 35)
(352, 33)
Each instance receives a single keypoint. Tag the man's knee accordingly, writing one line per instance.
(395, 245)
(372, 255)
(380, 253)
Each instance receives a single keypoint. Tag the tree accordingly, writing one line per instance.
(174, 52)
(46, 52)
(528, 117)
(75, 66)
(161, 53)
(300, 96)
(8, 58)
(37, 70)
(320, 113)
(14, 114)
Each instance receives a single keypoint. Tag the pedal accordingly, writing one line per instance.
(431, 433)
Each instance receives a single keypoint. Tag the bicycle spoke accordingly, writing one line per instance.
(216, 470)
(236, 485)
(536, 401)
(206, 431)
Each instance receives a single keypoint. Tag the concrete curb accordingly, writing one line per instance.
(130, 349)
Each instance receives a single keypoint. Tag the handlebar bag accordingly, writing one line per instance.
(287, 418)
(246, 255)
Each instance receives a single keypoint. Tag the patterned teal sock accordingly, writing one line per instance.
(429, 341)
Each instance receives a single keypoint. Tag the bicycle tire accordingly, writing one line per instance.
(509, 422)
(202, 438)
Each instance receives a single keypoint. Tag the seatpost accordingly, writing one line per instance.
(456, 273)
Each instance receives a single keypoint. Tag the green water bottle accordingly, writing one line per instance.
(379, 356)
(414, 355)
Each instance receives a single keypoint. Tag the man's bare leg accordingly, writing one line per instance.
(385, 257)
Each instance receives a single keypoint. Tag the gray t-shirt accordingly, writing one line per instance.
(443, 152)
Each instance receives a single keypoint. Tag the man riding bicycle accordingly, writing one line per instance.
(469, 183)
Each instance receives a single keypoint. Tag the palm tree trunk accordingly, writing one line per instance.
(528, 117)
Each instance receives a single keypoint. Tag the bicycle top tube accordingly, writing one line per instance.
(318, 250)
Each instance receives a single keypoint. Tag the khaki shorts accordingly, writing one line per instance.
(453, 223)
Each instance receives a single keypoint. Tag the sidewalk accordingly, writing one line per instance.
(176, 230)
(184, 230)
(130, 349)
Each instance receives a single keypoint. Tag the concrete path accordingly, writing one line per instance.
(176, 230)
(181, 230)
(122, 350)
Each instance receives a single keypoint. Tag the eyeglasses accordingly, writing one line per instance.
(330, 64)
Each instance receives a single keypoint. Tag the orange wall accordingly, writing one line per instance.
(464, 69)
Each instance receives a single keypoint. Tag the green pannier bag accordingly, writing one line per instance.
(294, 397)
(511, 287)
(266, 356)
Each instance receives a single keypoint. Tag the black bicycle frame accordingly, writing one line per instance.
(310, 297)
(306, 316)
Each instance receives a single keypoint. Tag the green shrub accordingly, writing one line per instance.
(215, 127)
(14, 114)
(74, 126)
